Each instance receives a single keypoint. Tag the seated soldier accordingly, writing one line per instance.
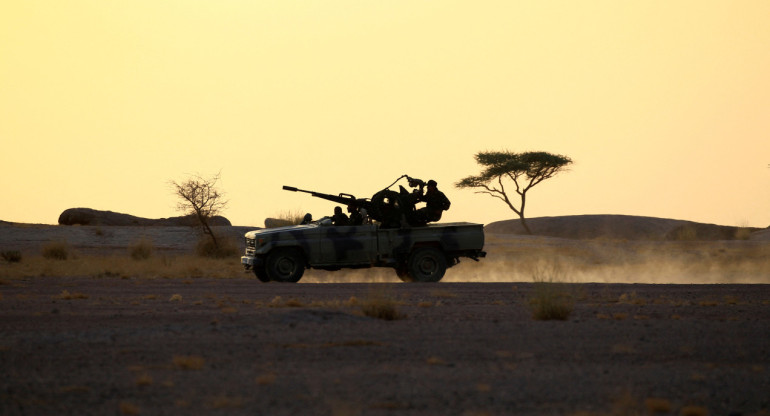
(356, 218)
(339, 218)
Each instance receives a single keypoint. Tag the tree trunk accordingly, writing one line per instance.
(207, 230)
(214, 238)
(524, 224)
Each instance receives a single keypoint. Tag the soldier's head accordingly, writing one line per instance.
(337, 210)
(432, 184)
(352, 208)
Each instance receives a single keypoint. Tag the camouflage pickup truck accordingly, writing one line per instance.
(418, 254)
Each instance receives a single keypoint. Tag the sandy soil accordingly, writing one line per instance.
(235, 346)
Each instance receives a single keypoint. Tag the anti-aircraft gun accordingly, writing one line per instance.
(391, 208)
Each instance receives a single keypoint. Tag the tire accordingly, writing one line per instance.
(261, 274)
(285, 265)
(403, 272)
(427, 264)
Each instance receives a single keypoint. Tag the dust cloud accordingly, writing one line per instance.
(512, 258)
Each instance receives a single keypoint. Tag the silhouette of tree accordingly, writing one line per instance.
(524, 169)
(200, 198)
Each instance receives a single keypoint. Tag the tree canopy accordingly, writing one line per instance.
(525, 170)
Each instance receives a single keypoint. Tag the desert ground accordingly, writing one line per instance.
(668, 327)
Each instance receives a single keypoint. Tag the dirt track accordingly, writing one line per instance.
(232, 346)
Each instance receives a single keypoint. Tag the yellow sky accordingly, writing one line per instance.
(663, 105)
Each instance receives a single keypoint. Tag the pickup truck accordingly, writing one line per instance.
(418, 254)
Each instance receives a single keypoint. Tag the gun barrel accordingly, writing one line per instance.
(340, 199)
(293, 189)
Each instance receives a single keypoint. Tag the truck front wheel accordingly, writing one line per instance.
(426, 264)
(261, 274)
(285, 265)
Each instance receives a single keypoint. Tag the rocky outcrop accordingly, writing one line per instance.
(88, 216)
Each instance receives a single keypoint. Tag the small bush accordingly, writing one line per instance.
(206, 248)
(742, 233)
(11, 256)
(551, 299)
(266, 379)
(141, 250)
(381, 305)
(657, 405)
(286, 218)
(56, 250)
(188, 362)
(144, 380)
(694, 411)
(66, 295)
(127, 408)
(686, 233)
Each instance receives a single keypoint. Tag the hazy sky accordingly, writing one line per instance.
(663, 105)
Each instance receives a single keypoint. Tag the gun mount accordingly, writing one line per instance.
(391, 208)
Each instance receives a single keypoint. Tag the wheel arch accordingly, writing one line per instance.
(296, 247)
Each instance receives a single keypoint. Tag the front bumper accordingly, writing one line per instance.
(250, 262)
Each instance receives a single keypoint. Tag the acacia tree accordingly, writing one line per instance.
(200, 198)
(524, 169)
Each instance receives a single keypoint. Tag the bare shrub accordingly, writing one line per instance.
(141, 249)
(11, 256)
(56, 250)
(551, 298)
(201, 198)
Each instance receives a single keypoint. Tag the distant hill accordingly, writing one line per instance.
(625, 227)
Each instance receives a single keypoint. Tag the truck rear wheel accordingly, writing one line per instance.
(402, 271)
(285, 265)
(426, 264)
